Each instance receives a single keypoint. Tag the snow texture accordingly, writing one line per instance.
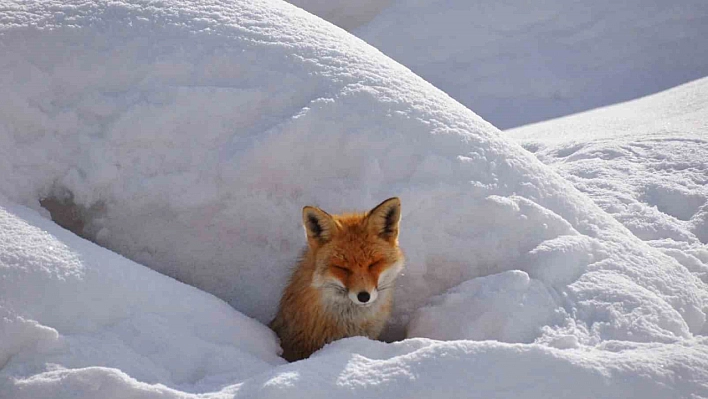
(187, 136)
(507, 306)
(516, 62)
(645, 162)
(69, 304)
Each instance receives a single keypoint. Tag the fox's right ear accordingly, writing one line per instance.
(319, 225)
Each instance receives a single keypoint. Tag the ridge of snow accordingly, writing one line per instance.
(516, 62)
(644, 161)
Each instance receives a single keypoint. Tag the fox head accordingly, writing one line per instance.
(356, 256)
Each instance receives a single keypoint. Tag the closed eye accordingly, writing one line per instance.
(342, 269)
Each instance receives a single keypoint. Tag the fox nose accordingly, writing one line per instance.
(363, 297)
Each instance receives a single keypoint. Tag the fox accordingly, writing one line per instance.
(342, 285)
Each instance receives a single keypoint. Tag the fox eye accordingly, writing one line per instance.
(371, 266)
(342, 269)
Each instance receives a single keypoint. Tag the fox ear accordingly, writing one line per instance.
(383, 219)
(319, 225)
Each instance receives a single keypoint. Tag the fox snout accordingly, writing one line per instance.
(363, 298)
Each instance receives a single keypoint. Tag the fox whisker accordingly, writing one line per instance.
(385, 287)
(337, 288)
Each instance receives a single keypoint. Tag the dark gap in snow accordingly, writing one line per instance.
(394, 332)
(71, 216)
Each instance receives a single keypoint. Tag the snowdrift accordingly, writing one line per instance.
(517, 62)
(644, 162)
(187, 137)
(69, 304)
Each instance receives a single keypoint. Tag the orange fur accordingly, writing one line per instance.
(346, 256)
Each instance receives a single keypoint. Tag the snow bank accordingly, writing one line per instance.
(187, 137)
(433, 369)
(356, 367)
(517, 62)
(69, 304)
(645, 162)
(506, 307)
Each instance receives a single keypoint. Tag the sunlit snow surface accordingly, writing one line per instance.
(645, 162)
(189, 135)
(516, 62)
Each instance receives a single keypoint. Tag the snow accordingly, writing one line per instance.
(508, 307)
(645, 162)
(356, 367)
(69, 304)
(516, 62)
(186, 137)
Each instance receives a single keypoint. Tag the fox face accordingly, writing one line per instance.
(356, 256)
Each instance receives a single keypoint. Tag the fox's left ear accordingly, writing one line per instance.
(383, 219)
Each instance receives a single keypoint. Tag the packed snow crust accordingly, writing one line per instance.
(516, 62)
(187, 136)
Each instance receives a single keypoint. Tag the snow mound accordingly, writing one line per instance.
(187, 137)
(506, 307)
(645, 162)
(517, 62)
(356, 367)
(69, 304)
